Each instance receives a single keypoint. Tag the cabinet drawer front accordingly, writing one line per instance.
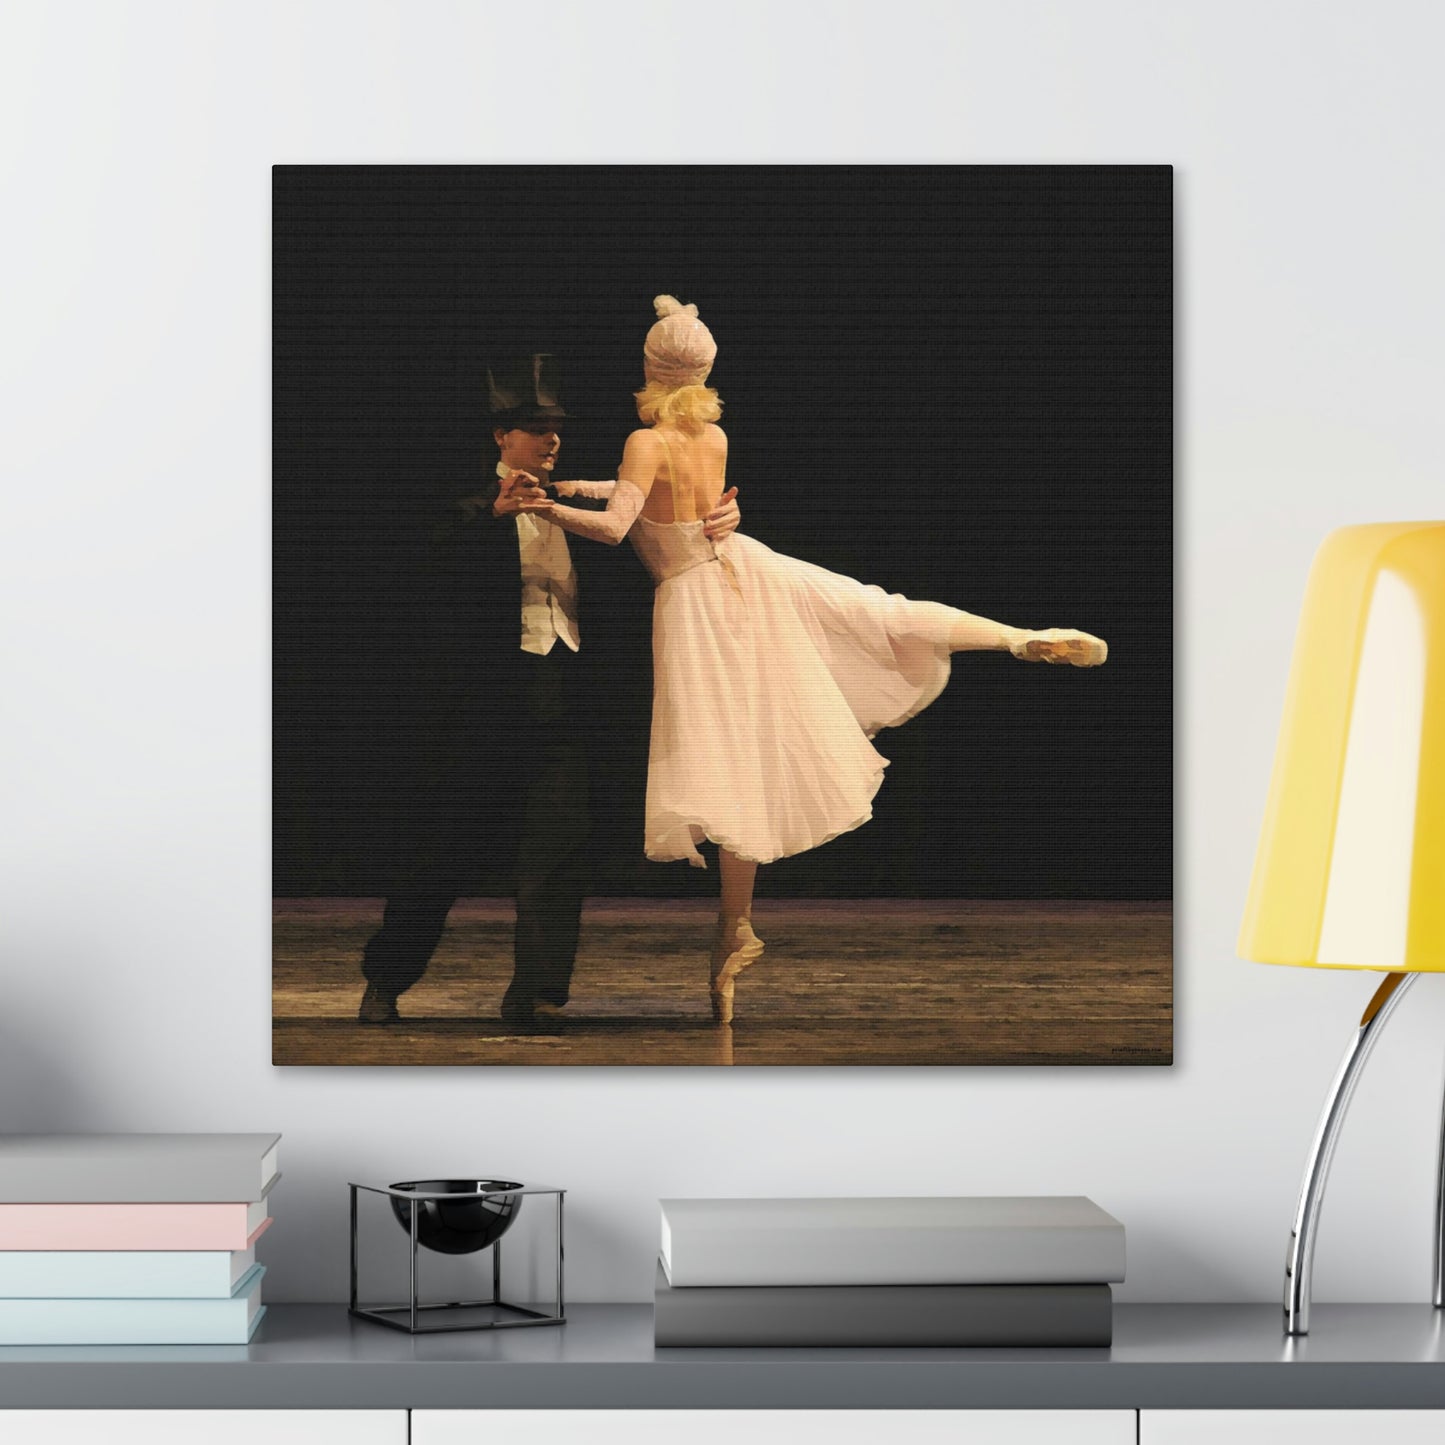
(773, 1427)
(1291, 1427)
(212, 1427)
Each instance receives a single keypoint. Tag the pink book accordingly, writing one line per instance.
(132, 1226)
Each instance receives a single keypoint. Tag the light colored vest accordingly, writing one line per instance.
(549, 583)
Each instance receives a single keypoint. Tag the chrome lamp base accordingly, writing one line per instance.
(1299, 1262)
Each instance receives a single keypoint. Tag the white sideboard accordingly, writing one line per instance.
(775, 1427)
(722, 1427)
(203, 1427)
(1291, 1427)
(1166, 1362)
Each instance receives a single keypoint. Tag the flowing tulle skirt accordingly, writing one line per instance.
(770, 677)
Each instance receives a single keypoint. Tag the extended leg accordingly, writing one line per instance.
(1299, 1266)
(967, 632)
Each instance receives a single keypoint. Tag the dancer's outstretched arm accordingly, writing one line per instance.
(610, 526)
(721, 522)
(595, 491)
(629, 495)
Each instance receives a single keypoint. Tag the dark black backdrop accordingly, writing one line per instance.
(952, 381)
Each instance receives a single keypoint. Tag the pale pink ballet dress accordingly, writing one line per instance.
(770, 677)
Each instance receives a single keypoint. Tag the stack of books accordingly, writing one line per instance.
(133, 1239)
(894, 1272)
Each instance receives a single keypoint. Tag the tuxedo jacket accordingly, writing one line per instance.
(475, 706)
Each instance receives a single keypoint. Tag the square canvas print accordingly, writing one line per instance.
(723, 615)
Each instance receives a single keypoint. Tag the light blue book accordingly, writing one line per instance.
(122, 1273)
(230, 1321)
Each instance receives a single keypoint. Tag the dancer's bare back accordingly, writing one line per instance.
(680, 471)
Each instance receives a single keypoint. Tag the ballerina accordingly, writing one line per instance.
(770, 676)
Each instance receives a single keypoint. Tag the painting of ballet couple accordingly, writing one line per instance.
(722, 615)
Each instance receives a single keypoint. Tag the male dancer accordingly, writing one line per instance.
(507, 762)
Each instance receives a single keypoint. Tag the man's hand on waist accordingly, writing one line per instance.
(723, 520)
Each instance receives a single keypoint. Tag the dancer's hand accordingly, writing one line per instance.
(724, 518)
(521, 492)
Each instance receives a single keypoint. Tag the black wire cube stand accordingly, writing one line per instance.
(412, 1208)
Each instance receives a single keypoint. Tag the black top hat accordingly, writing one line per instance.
(525, 389)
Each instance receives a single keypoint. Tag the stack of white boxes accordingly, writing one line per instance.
(922, 1272)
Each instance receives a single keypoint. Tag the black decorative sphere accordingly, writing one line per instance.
(458, 1226)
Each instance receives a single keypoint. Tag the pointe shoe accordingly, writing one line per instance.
(730, 958)
(1061, 644)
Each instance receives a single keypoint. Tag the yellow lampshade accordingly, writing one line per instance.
(1350, 871)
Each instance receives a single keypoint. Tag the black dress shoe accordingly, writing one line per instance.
(538, 1018)
(378, 1006)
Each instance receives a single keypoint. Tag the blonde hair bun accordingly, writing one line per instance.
(666, 306)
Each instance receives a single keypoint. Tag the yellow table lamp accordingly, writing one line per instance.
(1350, 871)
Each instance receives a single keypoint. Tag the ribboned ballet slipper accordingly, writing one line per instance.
(1061, 644)
(737, 948)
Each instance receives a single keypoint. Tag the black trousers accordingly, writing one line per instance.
(551, 857)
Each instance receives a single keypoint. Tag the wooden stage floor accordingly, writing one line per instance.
(842, 982)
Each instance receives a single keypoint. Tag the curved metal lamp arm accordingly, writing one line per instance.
(1299, 1265)
(1439, 1294)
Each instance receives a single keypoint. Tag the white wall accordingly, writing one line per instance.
(136, 142)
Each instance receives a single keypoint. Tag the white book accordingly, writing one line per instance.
(1051, 1239)
(122, 1274)
(230, 1321)
(137, 1168)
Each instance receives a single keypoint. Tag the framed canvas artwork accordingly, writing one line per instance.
(723, 615)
